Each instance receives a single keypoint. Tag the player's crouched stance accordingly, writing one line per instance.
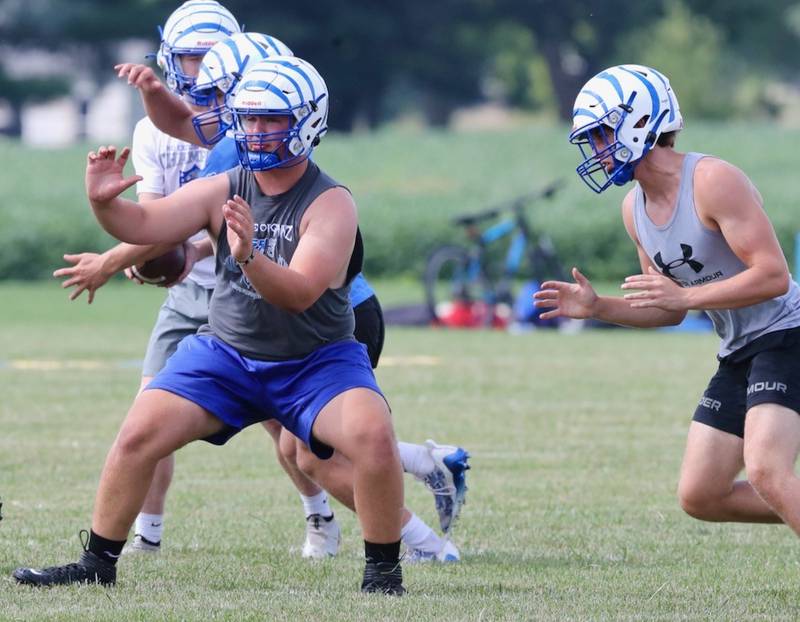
(704, 242)
(279, 341)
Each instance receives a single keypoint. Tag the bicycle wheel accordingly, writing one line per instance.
(545, 262)
(451, 286)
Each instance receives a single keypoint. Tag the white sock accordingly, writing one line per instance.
(318, 504)
(415, 534)
(416, 459)
(150, 526)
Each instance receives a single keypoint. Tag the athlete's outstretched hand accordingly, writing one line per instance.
(87, 272)
(104, 179)
(574, 300)
(655, 290)
(239, 220)
(140, 76)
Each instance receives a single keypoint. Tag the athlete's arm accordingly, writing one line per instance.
(327, 236)
(580, 301)
(90, 271)
(170, 219)
(167, 112)
(727, 199)
(203, 248)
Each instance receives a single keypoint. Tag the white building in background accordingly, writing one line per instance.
(59, 123)
(50, 124)
(94, 113)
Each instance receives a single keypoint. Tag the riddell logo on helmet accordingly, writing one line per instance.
(251, 103)
(206, 43)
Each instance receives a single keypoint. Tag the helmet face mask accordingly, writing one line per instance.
(211, 125)
(183, 66)
(220, 72)
(279, 86)
(606, 160)
(630, 106)
(266, 150)
(191, 30)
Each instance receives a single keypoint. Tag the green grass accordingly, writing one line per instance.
(408, 182)
(576, 443)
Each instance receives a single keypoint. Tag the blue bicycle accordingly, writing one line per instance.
(474, 286)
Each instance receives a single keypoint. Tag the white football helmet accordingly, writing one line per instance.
(220, 72)
(279, 86)
(617, 118)
(192, 29)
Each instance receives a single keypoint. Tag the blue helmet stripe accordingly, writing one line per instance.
(257, 45)
(204, 13)
(669, 94)
(598, 98)
(614, 82)
(297, 69)
(584, 111)
(271, 42)
(204, 68)
(267, 86)
(651, 89)
(236, 55)
(207, 26)
(305, 77)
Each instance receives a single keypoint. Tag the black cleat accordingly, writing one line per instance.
(89, 569)
(383, 578)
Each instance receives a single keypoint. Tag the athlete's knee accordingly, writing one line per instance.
(140, 436)
(768, 478)
(376, 441)
(136, 440)
(288, 446)
(305, 460)
(698, 501)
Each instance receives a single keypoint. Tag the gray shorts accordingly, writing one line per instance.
(183, 312)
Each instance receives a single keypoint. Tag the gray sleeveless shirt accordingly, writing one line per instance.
(237, 313)
(692, 254)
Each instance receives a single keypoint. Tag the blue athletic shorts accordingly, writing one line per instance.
(241, 391)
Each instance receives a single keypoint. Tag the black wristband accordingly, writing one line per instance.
(250, 258)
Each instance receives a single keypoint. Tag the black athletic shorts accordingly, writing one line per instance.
(765, 371)
(369, 328)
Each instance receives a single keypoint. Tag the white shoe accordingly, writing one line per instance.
(322, 537)
(447, 555)
(140, 544)
(447, 481)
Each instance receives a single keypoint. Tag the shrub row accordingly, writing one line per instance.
(408, 185)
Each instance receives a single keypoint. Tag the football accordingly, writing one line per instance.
(162, 270)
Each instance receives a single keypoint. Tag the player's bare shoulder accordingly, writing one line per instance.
(335, 205)
(720, 185)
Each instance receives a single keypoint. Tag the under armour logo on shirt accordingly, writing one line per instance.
(677, 263)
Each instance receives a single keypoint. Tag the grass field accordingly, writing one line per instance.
(576, 443)
(408, 182)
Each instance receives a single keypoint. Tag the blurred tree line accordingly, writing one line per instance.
(382, 59)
